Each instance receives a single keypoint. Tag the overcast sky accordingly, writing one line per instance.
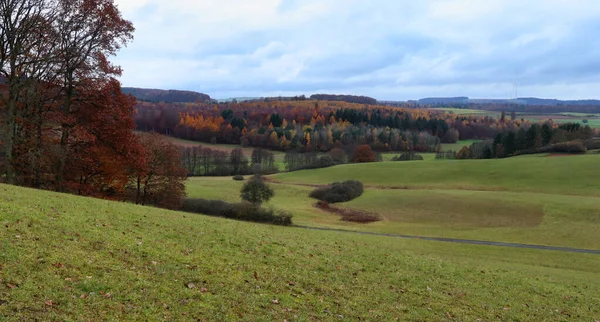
(387, 49)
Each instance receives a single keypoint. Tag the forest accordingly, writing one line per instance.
(317, 125)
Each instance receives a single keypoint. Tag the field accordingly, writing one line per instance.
(466, 111)
(72, 258)
(531, 199)
(65, 257)
(593, 120)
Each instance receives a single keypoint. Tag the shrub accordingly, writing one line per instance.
(593, 144)
(339, 192)
(241, 211)
(238, 178)
(256, 191)
(464, 153)
(408, 156)
(364, 153)
(568, 147)
(338, 155)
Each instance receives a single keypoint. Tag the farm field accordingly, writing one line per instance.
(559, 118)
(523, 199)
(465, 111)
(72, 258)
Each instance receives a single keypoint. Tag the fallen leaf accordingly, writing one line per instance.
(203, 290)
(191, 285)
(58, 265)
(107, 295)
(83, 296)
(255, 275)
(290, 283)
(11, 286)
(49, 302)
(275, 301)
(448, 316)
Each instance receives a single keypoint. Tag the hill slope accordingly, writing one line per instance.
(167, 96)
(71, 258)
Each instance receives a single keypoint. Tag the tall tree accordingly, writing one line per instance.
(22, 35)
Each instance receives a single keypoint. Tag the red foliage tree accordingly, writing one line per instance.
(364, 153)
(160, 176)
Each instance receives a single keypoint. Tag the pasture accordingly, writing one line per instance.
(72, 258)
(530, 199)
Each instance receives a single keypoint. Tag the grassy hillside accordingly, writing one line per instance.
(70, 258)
(573, 175)
(534, 199)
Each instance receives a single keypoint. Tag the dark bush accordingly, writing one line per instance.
(568, 147)
(593, 144)
(408, 156)
(339, 192)
(238, 178)
(241, 211)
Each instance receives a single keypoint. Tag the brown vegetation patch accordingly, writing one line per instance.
(362, 217)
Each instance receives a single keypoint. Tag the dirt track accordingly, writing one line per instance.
(463, 241)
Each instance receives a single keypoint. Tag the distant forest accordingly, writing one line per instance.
(311, 125)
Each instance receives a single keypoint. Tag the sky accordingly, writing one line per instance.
(386, 49)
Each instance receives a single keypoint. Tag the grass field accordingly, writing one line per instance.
(70, 258)
(465, 111)
(529, 199)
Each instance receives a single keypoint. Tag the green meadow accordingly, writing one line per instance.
(67, 258)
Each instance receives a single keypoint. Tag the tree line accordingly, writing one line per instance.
(547, 137)
(204, 161)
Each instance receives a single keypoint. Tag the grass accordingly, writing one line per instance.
(71, 258)
(529, 199)
(574, 175)
(458, 145)
(465, 111)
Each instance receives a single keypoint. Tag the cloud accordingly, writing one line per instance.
(392, 49)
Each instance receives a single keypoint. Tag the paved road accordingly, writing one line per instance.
(463, 241)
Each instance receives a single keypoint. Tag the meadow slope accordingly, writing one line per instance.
(71, 258)
(532, 199)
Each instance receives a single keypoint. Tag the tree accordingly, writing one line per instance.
(159, 177)
(464, 153)
(338, 155)
(256, 191)
(237, 160)
(364, 153)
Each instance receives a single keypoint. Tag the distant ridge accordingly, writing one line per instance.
(167, 96)
(517, 101)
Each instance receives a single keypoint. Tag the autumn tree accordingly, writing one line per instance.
(68, 126)
(159, 178)
(364, 153)
(338, 155)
